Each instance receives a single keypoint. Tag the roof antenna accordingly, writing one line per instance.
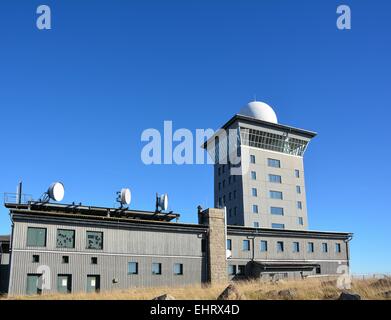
(255, 97)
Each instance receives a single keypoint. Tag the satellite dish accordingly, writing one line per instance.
(56, 191)
(228, 254)
(162, 202)
(125, 196)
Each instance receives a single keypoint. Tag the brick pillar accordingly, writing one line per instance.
(217, 263)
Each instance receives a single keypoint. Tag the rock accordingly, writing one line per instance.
(349, 296)
(287, 294)
(164, 297)
(387, 294)
(230, 293)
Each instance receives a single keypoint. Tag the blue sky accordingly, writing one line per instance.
(74, 100)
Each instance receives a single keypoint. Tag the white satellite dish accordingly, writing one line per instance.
(228, 254)
(56, 191)
(125, 196)
(162, 202)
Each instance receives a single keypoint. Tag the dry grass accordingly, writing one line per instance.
(308, 289)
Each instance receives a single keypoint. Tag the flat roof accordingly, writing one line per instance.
(78, 209)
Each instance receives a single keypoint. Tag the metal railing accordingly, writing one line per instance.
(13, 198)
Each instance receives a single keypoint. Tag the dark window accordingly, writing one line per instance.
(280, 246)
(65, 259)
(231, 270)
(64, 283)
(36, 237)
(203, 245)
(275, 178)
(337, 247)
(246, 245)
(277, 211)
(94, 240)
(34, 284)
(178, 269)
(310, 247)
(252, 158)
(94, 260)
(298, 189)
(35, 258)
(241, 269)
(256, 224)
(318, 271)
(297, 173)
(263, 246)
(132, 268)
(278, 226)
(65, 238)
(273, 163)
(229, 244)
(275, 195)
(156, 268)
(296, 247)
(325, 248)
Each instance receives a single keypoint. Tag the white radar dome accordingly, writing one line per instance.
(259, 110)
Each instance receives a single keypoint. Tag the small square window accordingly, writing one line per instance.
(35, 258)
(178, 269)
(241, 270)
(132, 268)
(65, 259)
(256, 224)
(94, 260)
(156, 268)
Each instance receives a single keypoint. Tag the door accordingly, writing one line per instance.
(64, 283)
(34, 284)
(93, 283)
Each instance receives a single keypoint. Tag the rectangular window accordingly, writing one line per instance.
(178, 269)
(230, 196)
(224, 202)
(254, 192)
(275, 178)
(230, 213)
(220, 202)
(219, 185)
(273, 163)
(223, 184)
(278, 226)
(65, 238)
(235, 211)
(300, 221)
(36, 237)
(276, 195)
(95, 240)
(241, 270)
(156, 268)
(65, 259)
(297, 173)
(35, 258)
(256, 224)
(296, 247)
(255, 208)
(263, 246)
(299, 205)
(253, 175)
(229, 244)
(252, 158)
(298, 189)
(325, 248)
(234, 194)
(280, 246)
(231, 270)
(64, 283)
(318, 270)
(338, 248)
(246, 245)
(310, 247)
(219, 171)
(34, 282)
(94, 260)
(277, 211)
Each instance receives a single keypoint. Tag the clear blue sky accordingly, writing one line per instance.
(74, 100)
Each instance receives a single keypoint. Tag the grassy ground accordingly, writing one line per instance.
(307, 289)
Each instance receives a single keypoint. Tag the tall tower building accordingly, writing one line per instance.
(268, 188)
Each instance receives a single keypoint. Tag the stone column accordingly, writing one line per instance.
(217, 263)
